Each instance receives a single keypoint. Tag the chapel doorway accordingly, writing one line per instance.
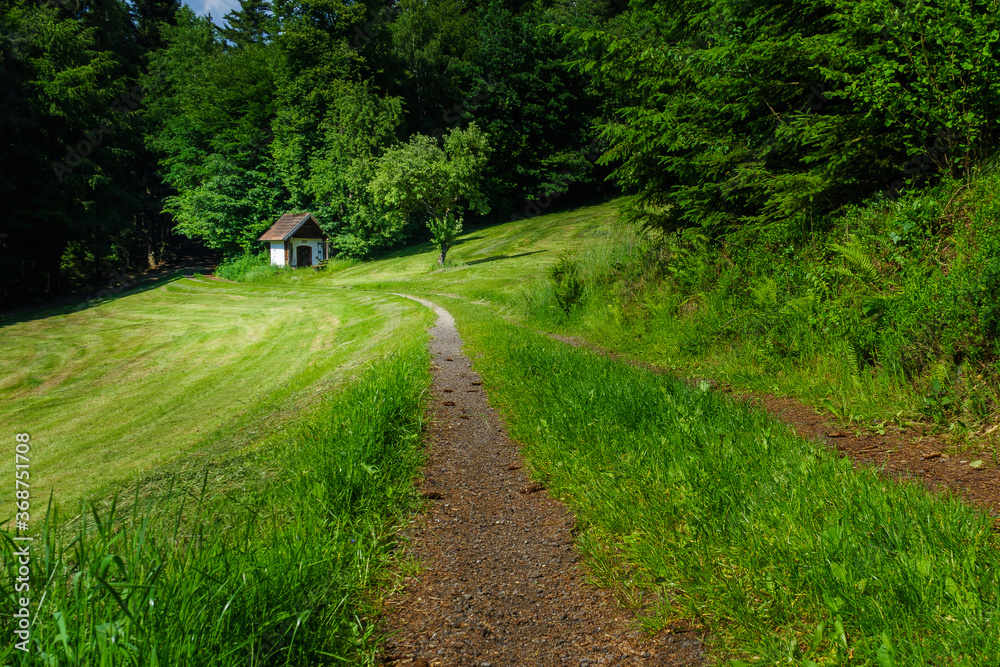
(304, 255)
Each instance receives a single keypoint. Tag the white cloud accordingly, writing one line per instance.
(217, 8)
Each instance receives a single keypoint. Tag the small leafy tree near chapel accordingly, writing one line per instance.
(443, 182)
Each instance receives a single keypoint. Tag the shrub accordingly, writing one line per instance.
(248, 268)
(565, 273)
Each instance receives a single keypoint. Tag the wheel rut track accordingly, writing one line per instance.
(501, 584)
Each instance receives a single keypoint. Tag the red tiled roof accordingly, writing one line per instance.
(286, 225)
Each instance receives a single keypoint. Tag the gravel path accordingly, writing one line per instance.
(501, 584)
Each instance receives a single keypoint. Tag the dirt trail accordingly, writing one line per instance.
(501, 584)
(903, 453)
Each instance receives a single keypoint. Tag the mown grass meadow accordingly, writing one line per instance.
(278, 573)
(112, 391)
(701, 507)
(500, 264)
(270, 547)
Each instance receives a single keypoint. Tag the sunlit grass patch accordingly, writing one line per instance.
(498, 263)
(786, 552)
(271, 572)
(117, 389)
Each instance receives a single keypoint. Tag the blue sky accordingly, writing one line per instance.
(218, 8)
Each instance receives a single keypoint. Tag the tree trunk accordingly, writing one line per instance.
(444, 251)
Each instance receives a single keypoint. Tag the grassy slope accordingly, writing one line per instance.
(293, 416)
(279, 561)
(122, 387)
(703, 508)
(885, 333)
(495, 263)
(788, 554)
(818, 563)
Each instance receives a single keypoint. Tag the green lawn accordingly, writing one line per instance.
(196, 369)
(194, 366)
(292, 418)
(492, 263)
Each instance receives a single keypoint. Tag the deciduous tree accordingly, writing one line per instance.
(441, 182)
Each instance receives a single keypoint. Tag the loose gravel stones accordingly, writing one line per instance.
(501, 584)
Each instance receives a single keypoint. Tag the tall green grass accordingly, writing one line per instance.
(787, 553)
(889, 315)
(250, 268)
(279, 571)
(257, 268)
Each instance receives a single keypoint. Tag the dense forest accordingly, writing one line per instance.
(127, 125)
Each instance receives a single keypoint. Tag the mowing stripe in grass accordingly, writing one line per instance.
(787, 552)
(126, 387)
(282, 575)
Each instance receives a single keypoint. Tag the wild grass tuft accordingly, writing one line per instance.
(250, 268)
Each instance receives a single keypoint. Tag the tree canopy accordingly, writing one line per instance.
(441, 182)
(129, 125)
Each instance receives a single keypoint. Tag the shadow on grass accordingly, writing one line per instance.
(465, 239)
(422, 248)
(496, 258)
(79, 302)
